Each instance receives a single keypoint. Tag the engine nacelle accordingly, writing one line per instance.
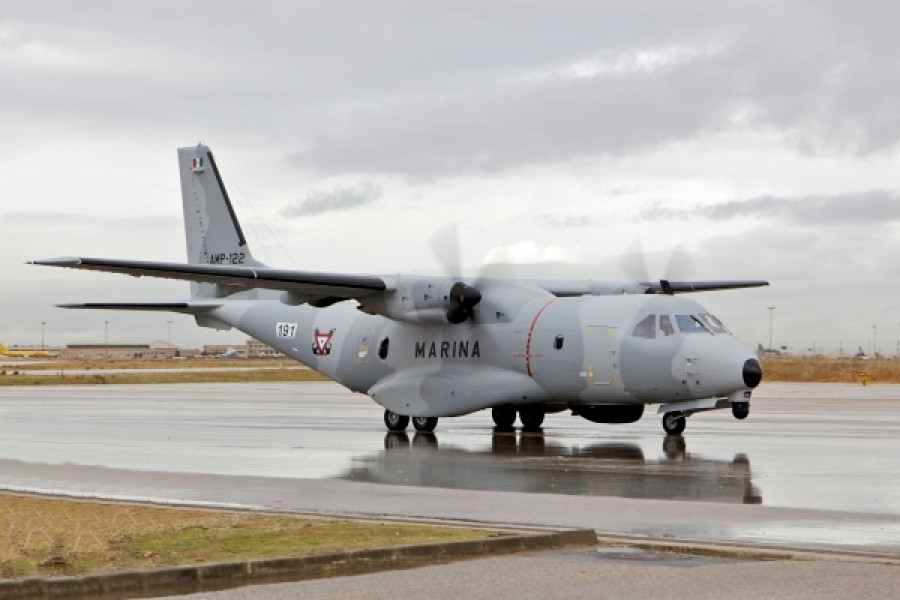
(434, 301)
(609, 413)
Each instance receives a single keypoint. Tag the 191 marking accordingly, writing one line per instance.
(285, 330)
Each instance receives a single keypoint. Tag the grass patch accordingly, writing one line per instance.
(190, 363)
(58, 372)
(831, 370)
(61, 378)
(50, 536)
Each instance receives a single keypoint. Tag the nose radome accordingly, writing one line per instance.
(752, 372)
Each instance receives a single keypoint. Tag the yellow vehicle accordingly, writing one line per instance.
(24, 353)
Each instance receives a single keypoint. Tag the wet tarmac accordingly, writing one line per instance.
(814, 464)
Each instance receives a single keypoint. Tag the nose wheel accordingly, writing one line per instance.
(674, 423)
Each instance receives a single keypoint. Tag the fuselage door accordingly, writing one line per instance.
(601, 359)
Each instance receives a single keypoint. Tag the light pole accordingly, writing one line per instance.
(43, 328)
(106, 339)
(771, 313)
(874, 343)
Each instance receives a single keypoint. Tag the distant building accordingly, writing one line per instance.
(256, 349)
(156, 350)
(250, 349)
(221, 351)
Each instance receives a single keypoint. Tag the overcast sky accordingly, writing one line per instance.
(758, 138)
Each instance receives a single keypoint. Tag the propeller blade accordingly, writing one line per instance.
(444, 244)
(634, 263)
(681, 265)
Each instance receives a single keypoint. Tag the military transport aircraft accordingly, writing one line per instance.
(425, 347)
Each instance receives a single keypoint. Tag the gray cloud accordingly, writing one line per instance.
(777, 70)
(343, 198)
(868, 208)
(430, 89)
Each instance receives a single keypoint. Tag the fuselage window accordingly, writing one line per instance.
(383, 349)
(713, 323)
(665, 325)
(646, 328)
(559, 341)
(690, 324)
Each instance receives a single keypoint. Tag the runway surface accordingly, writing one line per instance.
(813, 465)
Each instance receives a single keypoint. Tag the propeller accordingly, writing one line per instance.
(463, 297)
(634, 265)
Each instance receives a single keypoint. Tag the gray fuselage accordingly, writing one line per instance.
(582, 350)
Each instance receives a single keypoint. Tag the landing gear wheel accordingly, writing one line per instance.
(504, 416)
(395, 422)
(425, 424)
(531, 418)
(674, 423)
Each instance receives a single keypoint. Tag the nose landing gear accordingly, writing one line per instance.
(674, 423)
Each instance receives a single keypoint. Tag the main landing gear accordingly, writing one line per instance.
(395, 422)
(505, 417)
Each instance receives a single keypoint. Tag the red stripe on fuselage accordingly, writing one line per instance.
(530, 332)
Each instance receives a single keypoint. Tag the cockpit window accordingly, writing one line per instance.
(665, 325)
(646, 328)
(690, 324)
(713, 323)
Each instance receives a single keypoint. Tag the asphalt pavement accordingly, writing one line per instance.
(815, 465)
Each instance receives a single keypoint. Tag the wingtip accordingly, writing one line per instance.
(63, 261)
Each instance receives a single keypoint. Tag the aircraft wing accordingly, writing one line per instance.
(302, 283)
(581, 288)
(678, 287)
(322, 289)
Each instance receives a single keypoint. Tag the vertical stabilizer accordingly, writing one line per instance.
(214, 235)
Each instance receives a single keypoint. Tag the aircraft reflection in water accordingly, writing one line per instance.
(527, 462)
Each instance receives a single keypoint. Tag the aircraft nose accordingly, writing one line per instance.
(752, 372)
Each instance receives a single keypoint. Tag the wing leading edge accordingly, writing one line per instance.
(302, 283)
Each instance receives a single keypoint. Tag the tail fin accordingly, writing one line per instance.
(211, 227)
